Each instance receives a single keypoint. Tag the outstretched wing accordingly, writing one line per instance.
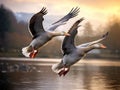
(35, 24)
(68, 43)
(55, 26)
(94, 42)
(74, 12)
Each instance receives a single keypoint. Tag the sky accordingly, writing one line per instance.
(96, 12)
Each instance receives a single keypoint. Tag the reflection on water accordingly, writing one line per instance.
(19, 67)
(85, 76)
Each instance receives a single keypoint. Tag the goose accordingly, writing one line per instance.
(40, 36)
(71, 53)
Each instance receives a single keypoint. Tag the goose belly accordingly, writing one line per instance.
(38, 42)
(71, 59)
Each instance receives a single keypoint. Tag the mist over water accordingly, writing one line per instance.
(34, 75)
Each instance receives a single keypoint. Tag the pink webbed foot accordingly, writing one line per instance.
(63, 72)
(33, 54)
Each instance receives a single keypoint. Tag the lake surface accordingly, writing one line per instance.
(20, 74)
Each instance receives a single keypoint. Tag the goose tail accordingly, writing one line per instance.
(26, 51)
(57, 67)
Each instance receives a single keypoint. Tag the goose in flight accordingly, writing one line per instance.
(41, 36)
(72, 53)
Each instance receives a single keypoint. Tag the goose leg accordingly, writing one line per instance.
(64, 71)
(61, 72)
(33, 53)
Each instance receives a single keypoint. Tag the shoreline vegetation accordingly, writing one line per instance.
(51, 61)
(88, 56)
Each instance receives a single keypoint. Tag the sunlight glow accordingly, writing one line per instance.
(97, 12)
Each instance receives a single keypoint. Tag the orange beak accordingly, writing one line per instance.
(103, 46)
(67, 34)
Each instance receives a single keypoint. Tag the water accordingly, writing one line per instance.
(37, 75)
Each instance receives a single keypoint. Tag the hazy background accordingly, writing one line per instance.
(100, 17)
(102, 72)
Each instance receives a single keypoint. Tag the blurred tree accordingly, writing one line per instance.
(112, 41)
(7, 21)
(88, 30)
(88, 34)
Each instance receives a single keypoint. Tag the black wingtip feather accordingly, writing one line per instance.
(73, 12)
(43, 11)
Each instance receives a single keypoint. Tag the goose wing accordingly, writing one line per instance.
(68, 43)
(94, 42)
(55, 26)
(35, 24)
(74, 12)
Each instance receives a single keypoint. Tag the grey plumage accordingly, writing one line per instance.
(94, 42)
(41, 36)
(72, 53)
(36, 23)
(68, 43)
(73, 13)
